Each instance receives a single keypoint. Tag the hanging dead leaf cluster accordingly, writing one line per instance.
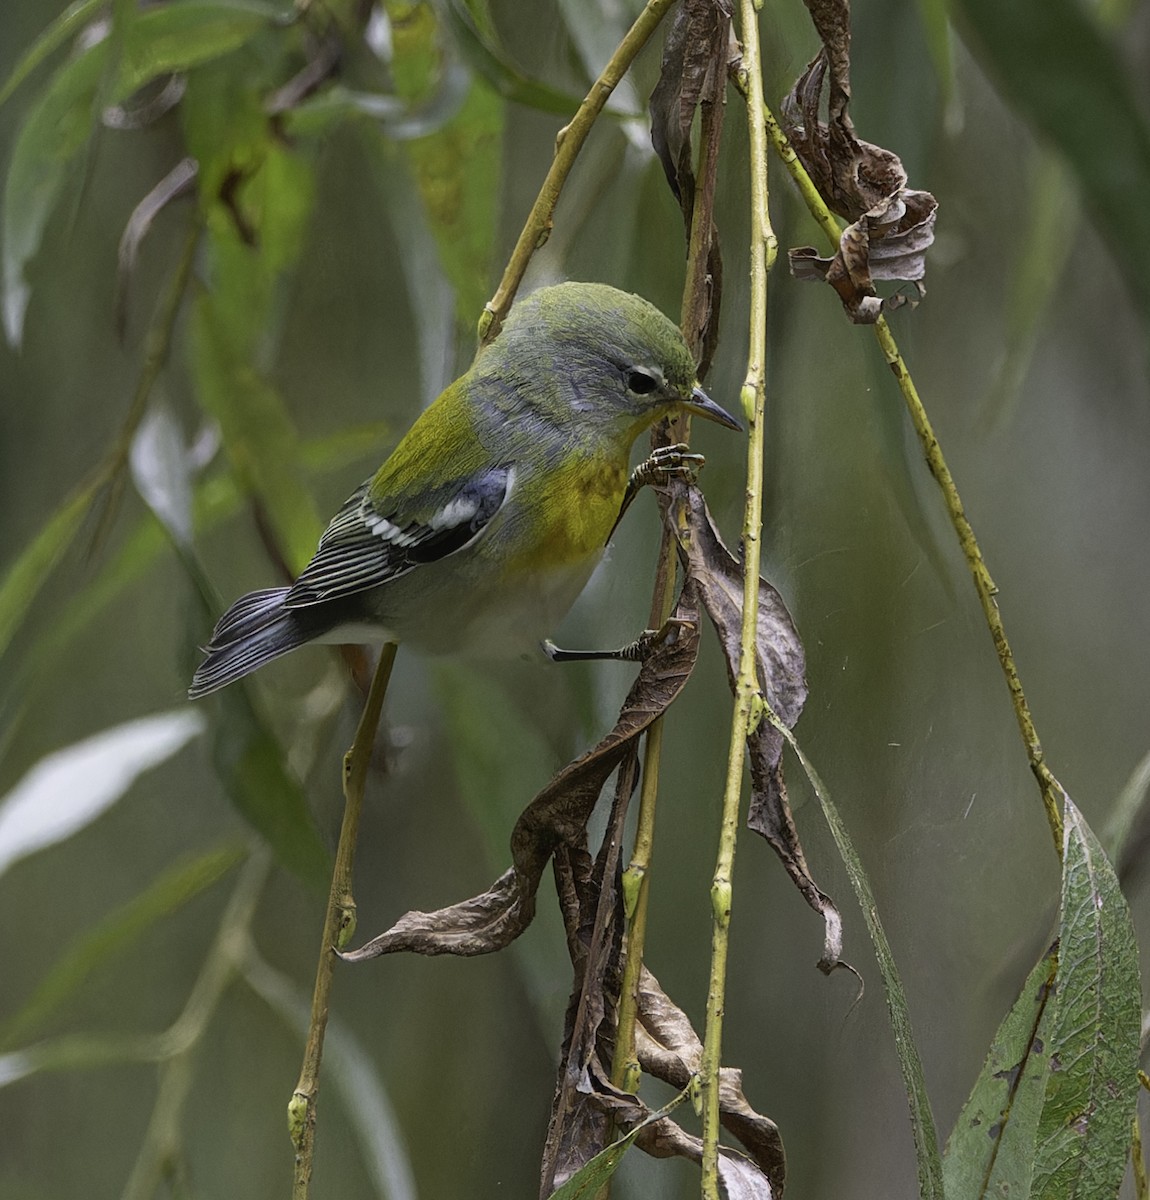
(891, 225)
(553, 828)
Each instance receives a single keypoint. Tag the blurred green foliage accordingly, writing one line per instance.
(358, 187)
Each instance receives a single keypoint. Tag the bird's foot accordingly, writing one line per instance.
(663, 464)
(637, 651)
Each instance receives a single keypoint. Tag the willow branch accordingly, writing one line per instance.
(762, 252)
(1051, 790)
(568, 142)
(338, 926)
(695, 315)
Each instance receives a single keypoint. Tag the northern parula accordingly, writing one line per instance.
(485, 523)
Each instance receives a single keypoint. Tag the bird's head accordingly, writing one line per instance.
(590, 353)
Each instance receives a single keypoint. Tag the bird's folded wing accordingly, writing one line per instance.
(367, 544)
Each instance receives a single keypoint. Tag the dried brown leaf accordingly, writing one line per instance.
(891, 226)
(770, 817)
(579, 1130)
(670, 1050)
(694, 71)
(782, 676)
(557, 816)
(719, 578)
(739, 1177)
(832, 20)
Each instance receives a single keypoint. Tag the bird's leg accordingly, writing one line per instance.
(663, 464)
(635, 651)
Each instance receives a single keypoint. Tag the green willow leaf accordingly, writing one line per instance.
(22, 581)
(179, 36)
(456, 166)
(259, 435)
(53, 132)
(990, 1151)
(488, 60)
(596, 1172)
(457, 170)
(930, 1183)
(73, 786)
(118, 930)
(1092, 1085)
(1052, 62)
(66, 25)
(171, 37)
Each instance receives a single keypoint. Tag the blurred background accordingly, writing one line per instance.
(346, 250)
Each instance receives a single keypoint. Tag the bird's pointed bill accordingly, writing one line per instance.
(702, 404)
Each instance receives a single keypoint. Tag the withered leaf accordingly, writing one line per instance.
(770, 817)
(579, 1130)
(694, 70)
(670, 1050)
(558, 815)
(832, 20)
(781, 662)
(696, 55)
(891, 226)
(781, 669)
(739, 1177)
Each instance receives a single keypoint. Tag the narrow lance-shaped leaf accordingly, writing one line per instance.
(114, 933)
(596, 1172)
(23, 580)
(990, 1152)
(1092, 1086)
(930, 1183)
(70, 788)
(250, 765)
(171, 37)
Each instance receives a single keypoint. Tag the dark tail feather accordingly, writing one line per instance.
(256, 629)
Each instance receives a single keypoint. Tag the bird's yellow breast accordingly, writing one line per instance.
(574, 510)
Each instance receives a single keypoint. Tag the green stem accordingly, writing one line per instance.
(159, 1155)
(762, 251)
(625, 1071)
(696, 315)
(1051, 790)
(568, 142)
(338, 926)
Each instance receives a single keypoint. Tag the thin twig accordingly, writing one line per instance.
(157, 346)
(568, 143)
(695, 317)
(1052, 791)
(747, 685)
(338, 926)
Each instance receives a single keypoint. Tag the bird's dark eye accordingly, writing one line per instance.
(641, 383)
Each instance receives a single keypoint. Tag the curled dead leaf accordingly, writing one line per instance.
(557, 816)
(781, 669)
(693, 71)
(892, 226)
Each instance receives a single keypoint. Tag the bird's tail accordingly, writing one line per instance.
(256, 629)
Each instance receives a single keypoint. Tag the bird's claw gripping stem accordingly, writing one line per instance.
(663, 464)
(636, 651)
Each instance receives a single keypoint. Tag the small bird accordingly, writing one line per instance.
(484, 525)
